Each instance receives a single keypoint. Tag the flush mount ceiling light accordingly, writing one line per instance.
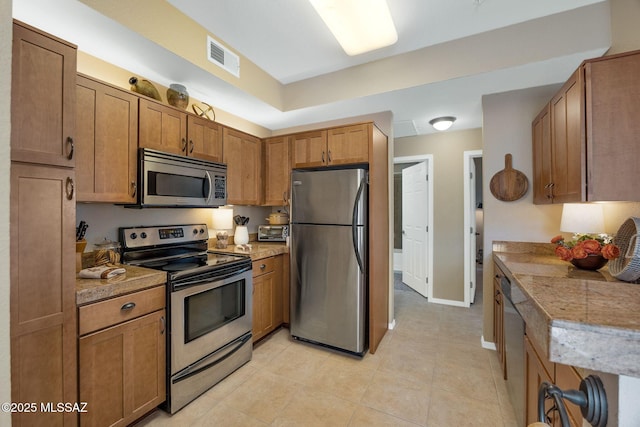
(358, 25)
(442, 123)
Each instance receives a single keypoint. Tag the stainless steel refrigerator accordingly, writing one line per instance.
(329, 258)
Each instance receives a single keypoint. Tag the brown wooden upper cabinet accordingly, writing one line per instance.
(331, 147)
(243, 154)
(277, 168)
(106, 142)
(204, 139)
(42, 104)
(585, 144)
(171, 130)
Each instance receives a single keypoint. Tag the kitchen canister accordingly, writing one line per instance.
(627, 266)
(178, 96)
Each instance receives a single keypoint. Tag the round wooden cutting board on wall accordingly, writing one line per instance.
(509, 184)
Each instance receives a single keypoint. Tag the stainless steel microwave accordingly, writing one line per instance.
(169, 180)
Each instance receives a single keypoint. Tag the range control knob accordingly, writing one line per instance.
(133, 236)
(202, 231)
(195, 231)
(143, 235)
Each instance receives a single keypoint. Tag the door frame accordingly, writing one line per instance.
(429, 159)
(469, 262)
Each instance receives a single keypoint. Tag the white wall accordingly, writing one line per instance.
(6, 32)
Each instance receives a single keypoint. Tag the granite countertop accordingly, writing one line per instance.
(135, 279)
(582, 318)
(259, 250)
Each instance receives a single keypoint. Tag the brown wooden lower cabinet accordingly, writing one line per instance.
(122, 367)
(268, 300)
(539, 369)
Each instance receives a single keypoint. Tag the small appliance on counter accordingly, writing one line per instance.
(273, 233)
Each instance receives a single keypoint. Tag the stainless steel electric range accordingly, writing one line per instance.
(209, 297)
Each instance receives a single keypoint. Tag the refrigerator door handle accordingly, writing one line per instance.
(354, 223)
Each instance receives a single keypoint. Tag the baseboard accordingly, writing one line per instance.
(392, 325)
(487, 344)
(447, 302)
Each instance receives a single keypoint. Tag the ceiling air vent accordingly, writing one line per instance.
(223, 57)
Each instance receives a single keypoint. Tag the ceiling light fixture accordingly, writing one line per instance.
(442, 123)
(359, 25)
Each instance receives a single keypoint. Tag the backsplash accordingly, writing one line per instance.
(104, 219)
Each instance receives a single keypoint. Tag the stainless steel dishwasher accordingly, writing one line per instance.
(514, 348)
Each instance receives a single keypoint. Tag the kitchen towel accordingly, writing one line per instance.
(101, 272)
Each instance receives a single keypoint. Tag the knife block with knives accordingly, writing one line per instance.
(81, 243)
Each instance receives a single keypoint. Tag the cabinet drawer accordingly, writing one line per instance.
(102, 314)
(263, 266)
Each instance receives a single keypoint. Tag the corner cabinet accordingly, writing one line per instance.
(42, 289)
(588, 138)
(122, 357)
(106, 142)
(242, 153)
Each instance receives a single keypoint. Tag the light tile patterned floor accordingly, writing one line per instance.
(429, 371)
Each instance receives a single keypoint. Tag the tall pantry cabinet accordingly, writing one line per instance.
(42, 216)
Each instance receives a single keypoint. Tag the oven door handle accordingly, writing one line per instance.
(179, 284)
(206, 363)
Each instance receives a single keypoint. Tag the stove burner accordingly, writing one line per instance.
(180, 266)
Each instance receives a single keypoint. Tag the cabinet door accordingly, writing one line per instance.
(309, 149)
(613, 108)
(263, 287)
(162, 128)
(277, 168)
(205, 139)
(42, 98)
(106, 143)
(242, 154)
(535, 374)
(122, 371)
(567, 141)
(541, 135)
(43, 305)
(348, 145)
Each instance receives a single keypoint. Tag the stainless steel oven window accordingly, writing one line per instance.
(212, 309)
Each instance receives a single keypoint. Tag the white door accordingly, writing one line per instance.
(471, 256)
(414, 227)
